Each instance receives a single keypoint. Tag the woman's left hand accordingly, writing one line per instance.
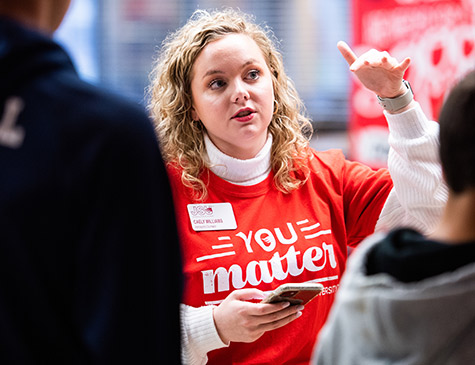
(378, 71)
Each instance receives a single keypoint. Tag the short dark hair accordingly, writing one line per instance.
(457, 135)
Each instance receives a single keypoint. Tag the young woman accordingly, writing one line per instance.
(256, 206)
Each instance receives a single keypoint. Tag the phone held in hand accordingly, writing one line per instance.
(299, 293)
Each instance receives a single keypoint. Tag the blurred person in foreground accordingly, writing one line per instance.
(256, 206)
(407, 298)
(89, 260)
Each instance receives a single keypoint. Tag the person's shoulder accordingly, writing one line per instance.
(395, 237)
(359, 257)
(92, 108)
(86, 98)
(328, 155)
(332, 159)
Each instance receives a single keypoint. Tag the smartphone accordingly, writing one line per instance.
(301, 293)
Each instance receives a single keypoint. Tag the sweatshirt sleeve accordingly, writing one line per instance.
(419, 193)
(198, 334)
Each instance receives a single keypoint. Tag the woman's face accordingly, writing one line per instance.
(233, 95)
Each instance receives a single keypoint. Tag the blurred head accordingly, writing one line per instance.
(457, 136)
(172, 99)
(45, 15)
(58, 10)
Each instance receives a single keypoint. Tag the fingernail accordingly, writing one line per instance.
(300, 308)
(298, 314)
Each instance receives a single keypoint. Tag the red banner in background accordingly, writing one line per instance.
(438, 36)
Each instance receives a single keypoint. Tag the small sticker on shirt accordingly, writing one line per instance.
(212, 217)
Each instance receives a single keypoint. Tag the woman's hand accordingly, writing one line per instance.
(239, 320)
(377, 71)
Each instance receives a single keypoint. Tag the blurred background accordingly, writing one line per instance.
(114, 43)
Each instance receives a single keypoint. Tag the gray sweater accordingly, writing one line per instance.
(378, 319)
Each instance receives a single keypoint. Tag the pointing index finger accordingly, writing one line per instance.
(346, 52)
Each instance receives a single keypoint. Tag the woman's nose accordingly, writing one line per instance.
(240, 92)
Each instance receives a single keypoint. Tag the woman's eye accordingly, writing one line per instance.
(253, 75)
(216, 84)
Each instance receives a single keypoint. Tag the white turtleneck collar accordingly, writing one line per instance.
(239, 172)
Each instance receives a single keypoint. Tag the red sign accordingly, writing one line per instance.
(438, 36)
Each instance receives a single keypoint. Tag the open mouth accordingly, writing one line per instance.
(243, 113)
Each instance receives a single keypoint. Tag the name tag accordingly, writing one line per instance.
(212, 217)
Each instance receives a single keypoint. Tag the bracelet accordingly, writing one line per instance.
(394, 104)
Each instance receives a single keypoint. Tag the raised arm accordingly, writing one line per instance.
(419, 192)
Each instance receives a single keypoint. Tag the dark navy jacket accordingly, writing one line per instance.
(89, 259)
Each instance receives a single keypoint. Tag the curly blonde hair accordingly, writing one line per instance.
(181, 138)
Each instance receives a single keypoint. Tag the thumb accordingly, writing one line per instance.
(248, 294)
(404, 65)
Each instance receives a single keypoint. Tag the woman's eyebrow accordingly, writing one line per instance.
(217, 71)
(212, 72)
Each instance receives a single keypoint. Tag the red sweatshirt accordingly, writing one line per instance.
(277, 238)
